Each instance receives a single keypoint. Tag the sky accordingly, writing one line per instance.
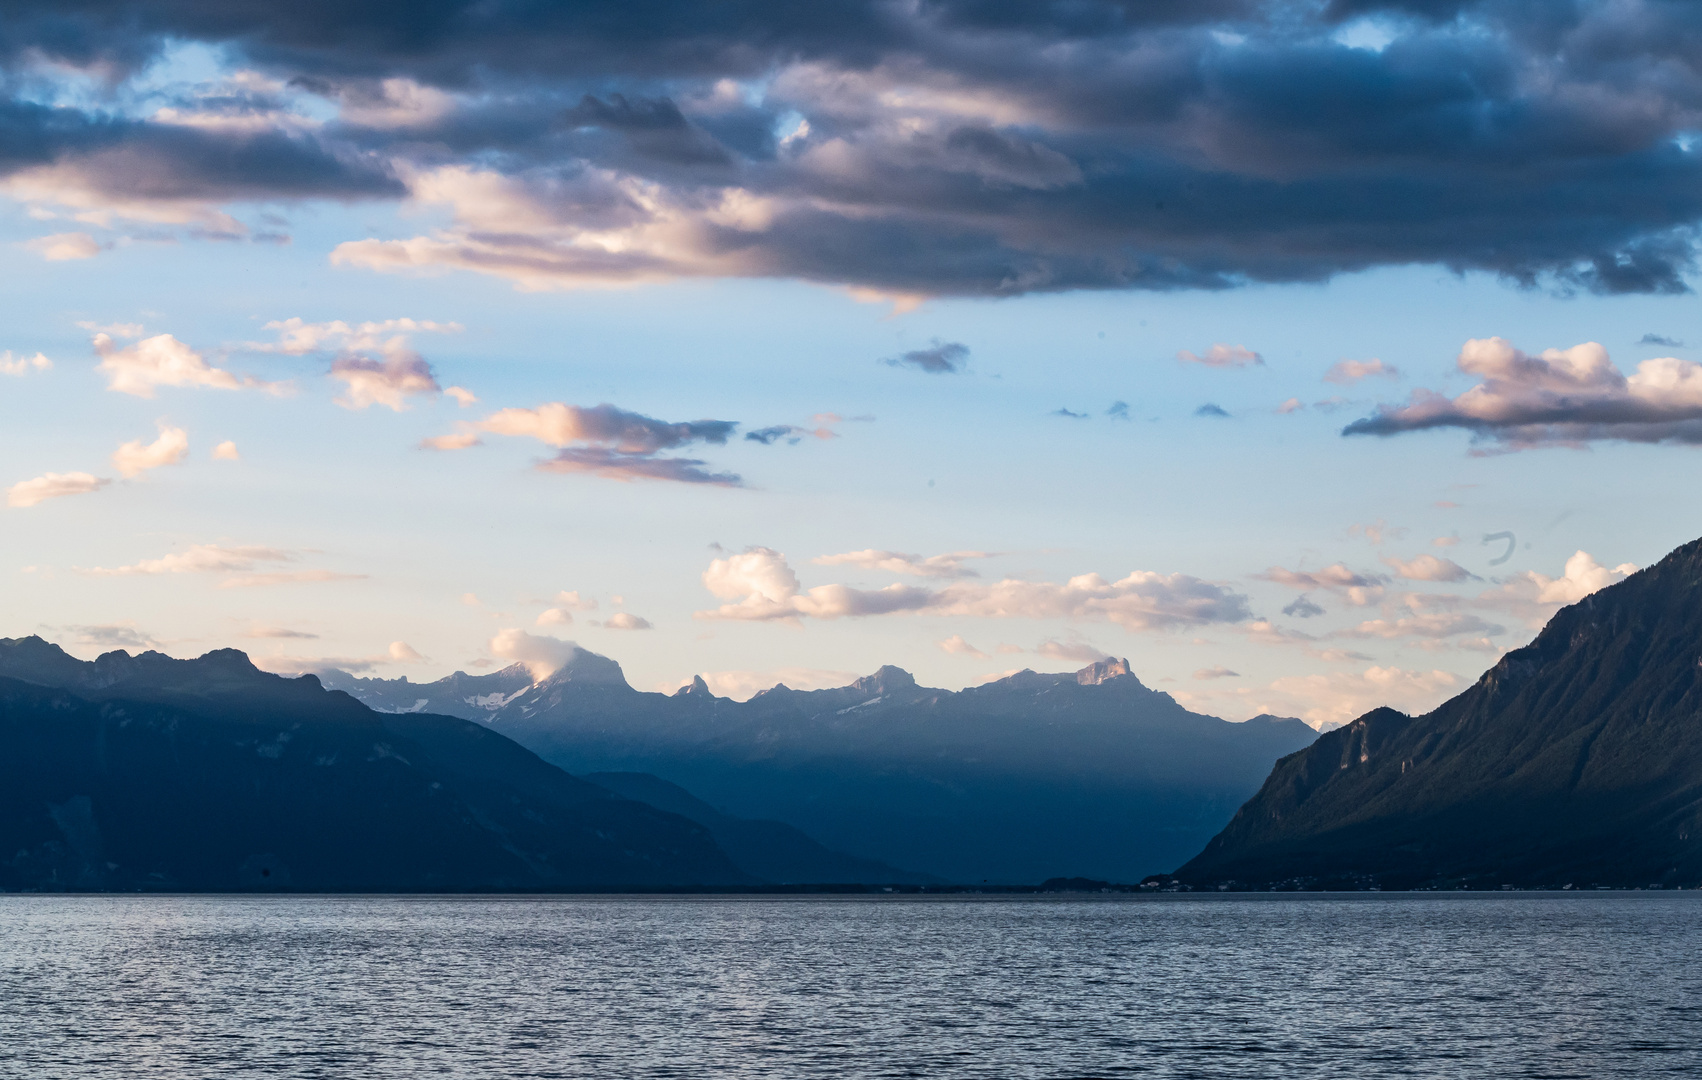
(1310, 356)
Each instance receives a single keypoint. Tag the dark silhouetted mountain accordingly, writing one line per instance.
(1027, 778)
(769, 850)
(1575, 760)
(145, 772)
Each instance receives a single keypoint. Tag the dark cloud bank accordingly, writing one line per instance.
(1034, 146)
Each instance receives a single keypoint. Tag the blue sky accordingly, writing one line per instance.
(1071, 442)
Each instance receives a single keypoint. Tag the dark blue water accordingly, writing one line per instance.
(1368, 986)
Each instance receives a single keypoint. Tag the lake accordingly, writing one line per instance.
(1481, 986)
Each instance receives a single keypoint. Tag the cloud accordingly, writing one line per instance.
(1068, 414)
(959, 647)
(1333, 699)
(1348, 372)
(157, 361)
(1292, 405)
(1358, 589)
(1535, 597)
(615, 465)
(1302, 607)
(949, 565)
(244, 562)
(135, 457)
(1119, 410)
(792, 434)
(1223, 356)
(52, 486)
(554, 617)
(200, 559)
(399, 652)
(1561, 397)
(21, 365)
(940, 358)
(112, 636)
(543, 656)
(954, 147)
(226, 451)
(624, 620)
(65, 247)
(762, 586)
(270, 632)
(1210, 410)
(574, 602)
(556, 424)
(1660, 340)
(1432, 626)
(605, 441)
(1075, 652)
(298, 337)
(1428, 568)
(1216, 673)
(388, 382)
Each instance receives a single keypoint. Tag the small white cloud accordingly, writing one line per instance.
(22, 365)
(1205, 674)
(1428, 568)
(136, 457)
(1075, 652)
(388, 382)
(555, 617)
(459, 440)
(949, 565)
(543, 656)
(65, 247)
(52, 486)
(158, 361)
(624, 620)
(226, 451)
(574, 602)
(959, 647)
(463, 396)
(1348, 372)
(1223, 356)
(199, 559)
(403, 653)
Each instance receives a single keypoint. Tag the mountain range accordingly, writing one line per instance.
(1575, 761)
(146, 772)
(1030, 777)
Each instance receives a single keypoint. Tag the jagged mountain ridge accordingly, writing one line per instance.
(1576, 760)
(1018, 780)
(146, 772)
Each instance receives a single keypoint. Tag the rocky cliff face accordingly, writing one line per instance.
(1576, 760)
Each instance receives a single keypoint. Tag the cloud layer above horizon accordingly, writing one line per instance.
(948, 147)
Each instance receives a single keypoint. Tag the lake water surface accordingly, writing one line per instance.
(1217, 987)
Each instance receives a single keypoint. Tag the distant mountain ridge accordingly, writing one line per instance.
(147, 772)
(1022, 779)
(1576, 760)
